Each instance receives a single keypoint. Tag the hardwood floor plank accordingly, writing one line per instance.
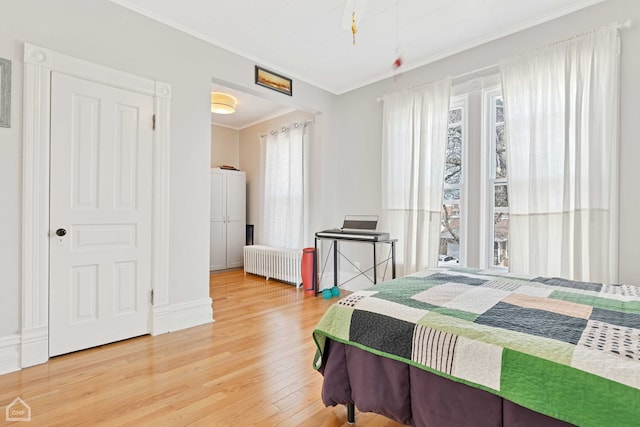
(252, 366)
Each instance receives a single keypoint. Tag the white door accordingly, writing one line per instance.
(100, 214)
(236, 218)
(218, 222)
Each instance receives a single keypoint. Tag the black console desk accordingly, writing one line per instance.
(372, 238)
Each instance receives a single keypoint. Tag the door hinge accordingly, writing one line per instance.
(153, 122)
(152, 297)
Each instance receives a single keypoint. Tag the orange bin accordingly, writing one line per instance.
(308, 271)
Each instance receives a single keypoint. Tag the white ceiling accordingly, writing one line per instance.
(311, 40)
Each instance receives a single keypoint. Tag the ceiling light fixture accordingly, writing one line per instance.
(221, 103)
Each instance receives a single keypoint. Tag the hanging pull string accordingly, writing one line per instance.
(354, 26)
(624, 25)
(288, 127)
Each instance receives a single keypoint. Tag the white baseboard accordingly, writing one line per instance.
(9, 354)
(35, 346)
(175, 317)
(32, 348)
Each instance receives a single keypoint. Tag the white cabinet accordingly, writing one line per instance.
(228, 218)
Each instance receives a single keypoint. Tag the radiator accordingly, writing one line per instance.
(274, 263)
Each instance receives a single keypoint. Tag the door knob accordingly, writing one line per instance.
(61, 232)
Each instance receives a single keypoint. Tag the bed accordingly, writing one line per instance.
(455, 347)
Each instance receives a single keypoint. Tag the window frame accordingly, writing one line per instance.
(460, 101)
(476, 95)
(490, 94)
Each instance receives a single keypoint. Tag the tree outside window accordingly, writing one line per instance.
(452, 194)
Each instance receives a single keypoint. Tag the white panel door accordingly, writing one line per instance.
(218, 222)
(100, 214)
(236, 218)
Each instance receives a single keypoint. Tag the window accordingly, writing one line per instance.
(282, 222)
(451, 230)
(498, 183)
(474, 228)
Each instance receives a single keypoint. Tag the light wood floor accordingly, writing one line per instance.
(252, 366)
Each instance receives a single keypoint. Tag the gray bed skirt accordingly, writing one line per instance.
(415, 397)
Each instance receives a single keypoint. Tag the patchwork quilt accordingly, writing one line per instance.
(567, 349)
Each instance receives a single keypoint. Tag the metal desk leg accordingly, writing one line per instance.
(375, 265)
(393, 259)
(335, 263)
(315, 266)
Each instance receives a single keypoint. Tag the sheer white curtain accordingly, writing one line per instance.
(561, 114)
(282, 223)
(414, 144)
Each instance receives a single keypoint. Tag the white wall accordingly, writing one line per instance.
(359, 115)
(105, 33)
(10, 185)
(225, 146)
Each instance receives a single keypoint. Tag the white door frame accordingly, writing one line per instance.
(39, 62)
